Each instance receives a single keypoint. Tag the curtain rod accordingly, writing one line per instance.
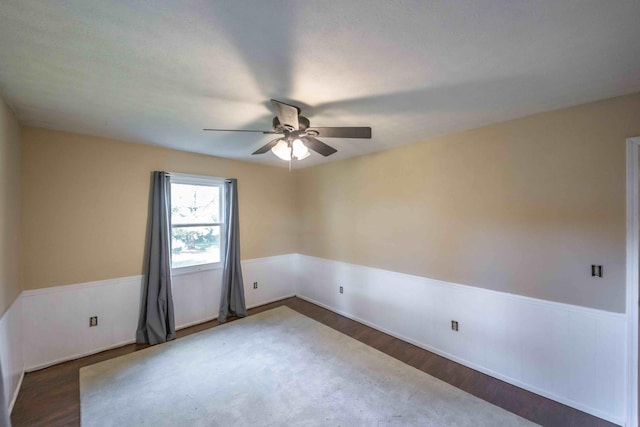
(197, 176)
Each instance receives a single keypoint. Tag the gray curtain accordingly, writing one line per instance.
(157, 323)
(232, 297)
(4, 404)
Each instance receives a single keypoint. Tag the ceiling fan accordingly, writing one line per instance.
(297, 136)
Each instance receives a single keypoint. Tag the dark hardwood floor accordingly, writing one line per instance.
(51, 396)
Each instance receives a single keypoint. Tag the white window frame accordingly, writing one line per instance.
(207, 181)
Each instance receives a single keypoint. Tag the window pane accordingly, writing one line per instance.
(194, 204)
(194, 245)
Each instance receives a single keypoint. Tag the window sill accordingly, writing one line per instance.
(196, 268)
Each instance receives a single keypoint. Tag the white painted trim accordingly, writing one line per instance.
(209, 319)
(185, 178)
(268, 258)
(219, 266)
(471, 365)
(78, 356)
(16, 392)
(196, 322)
(15, 305)
(190, 269)
(78, 286)
(132, 279)
(490, 292)
(204, 181)
(11, 306)
(258, 304)
(633, 264)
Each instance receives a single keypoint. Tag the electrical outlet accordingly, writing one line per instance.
(255, 285)
(454, 325)
(341, 290)
(596, 270)
(93, 321)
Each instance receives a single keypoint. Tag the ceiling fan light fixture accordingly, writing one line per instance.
(300, 151)
(283, 150)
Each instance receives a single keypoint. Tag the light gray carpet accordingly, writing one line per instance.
(277, 368)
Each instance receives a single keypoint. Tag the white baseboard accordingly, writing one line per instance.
(270, 301)
(78, 356)
(573, 355)
(16, 392)
(196, 322)
(208, 319)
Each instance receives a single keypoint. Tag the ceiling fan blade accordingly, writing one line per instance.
(342, 132)
(241, 130)
(318, 146)
(267, 147)
(287, 114)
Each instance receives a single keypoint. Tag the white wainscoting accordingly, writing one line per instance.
(196, 296)
(55, 320)
(11, 351)
(571, 354)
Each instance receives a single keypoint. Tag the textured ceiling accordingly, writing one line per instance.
(160, 71)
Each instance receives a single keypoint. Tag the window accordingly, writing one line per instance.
(197, 222)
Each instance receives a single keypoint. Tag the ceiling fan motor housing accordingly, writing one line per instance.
(303, 123)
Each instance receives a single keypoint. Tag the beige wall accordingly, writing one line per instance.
(85, 203)
(9, 207)
(524, 206)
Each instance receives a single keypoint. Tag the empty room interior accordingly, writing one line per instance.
(305, 213)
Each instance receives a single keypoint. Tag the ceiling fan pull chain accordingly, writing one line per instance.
(290, 158)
